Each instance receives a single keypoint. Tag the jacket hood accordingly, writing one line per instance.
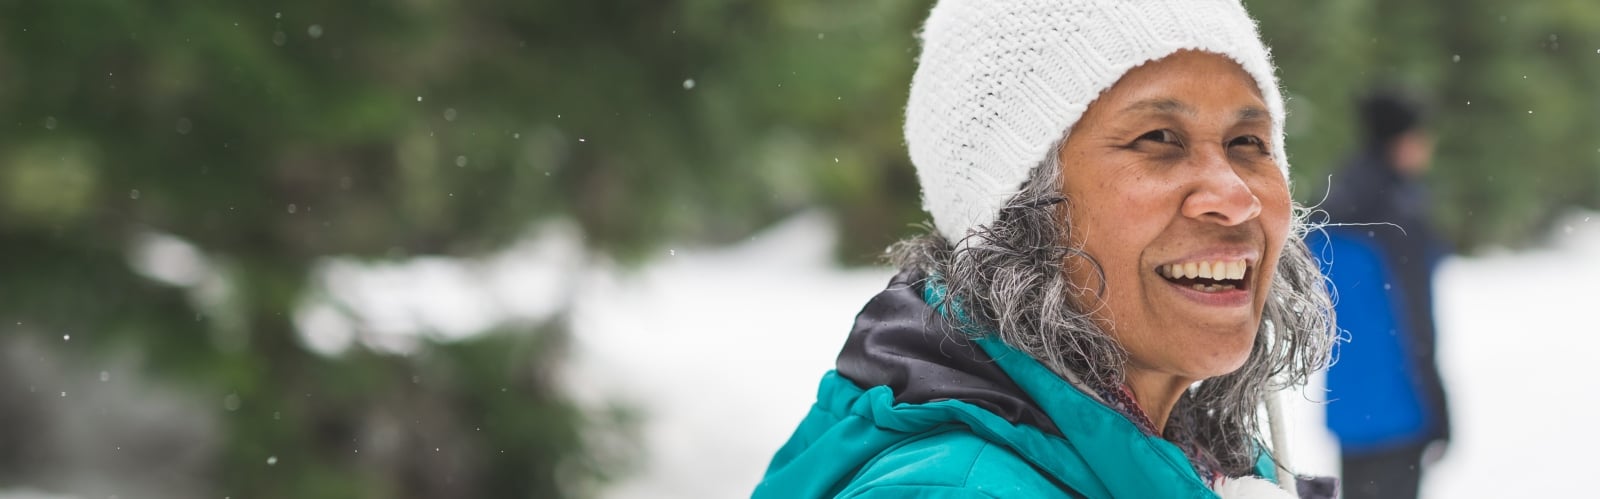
(899, 341)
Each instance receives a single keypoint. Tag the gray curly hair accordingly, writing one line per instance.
(1011, 279)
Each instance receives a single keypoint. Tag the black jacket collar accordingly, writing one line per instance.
(901, 342)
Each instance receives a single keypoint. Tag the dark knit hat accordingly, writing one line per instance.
(1387, 113)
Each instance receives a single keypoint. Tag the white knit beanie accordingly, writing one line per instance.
(1000, 82)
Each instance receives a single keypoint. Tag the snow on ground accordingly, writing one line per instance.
(1518, 341)
(722, 348)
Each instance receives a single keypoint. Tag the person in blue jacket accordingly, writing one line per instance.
(1115, 282)
(1386, 401)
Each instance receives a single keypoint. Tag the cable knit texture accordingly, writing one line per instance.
(1000, 82)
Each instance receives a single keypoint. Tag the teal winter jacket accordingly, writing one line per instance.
(915, 408)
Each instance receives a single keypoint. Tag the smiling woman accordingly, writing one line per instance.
(1116, 283)
(1170, 167)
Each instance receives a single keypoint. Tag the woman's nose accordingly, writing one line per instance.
(1219, 195)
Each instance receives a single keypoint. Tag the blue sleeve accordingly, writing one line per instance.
(1372, 398)
(1358, 281)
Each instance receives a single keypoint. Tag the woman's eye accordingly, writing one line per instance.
(1248, 140)
(1161, 136)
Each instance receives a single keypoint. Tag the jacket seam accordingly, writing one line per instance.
(972, 467)
(921, 487)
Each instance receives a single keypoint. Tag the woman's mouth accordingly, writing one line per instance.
(1208, 276)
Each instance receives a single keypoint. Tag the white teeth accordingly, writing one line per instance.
(1225, 270)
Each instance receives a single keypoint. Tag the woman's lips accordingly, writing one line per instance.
(1218, 296)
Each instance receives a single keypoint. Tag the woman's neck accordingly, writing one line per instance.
(1156, 393)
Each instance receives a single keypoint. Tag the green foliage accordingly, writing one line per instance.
(273, 136)
(1511, 86)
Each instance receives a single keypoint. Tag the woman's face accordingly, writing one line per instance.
(1172, 188)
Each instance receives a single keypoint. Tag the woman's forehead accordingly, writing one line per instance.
(1185, 84)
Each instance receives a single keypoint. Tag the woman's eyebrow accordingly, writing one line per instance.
(1161, 106)
(1168, 106)
(1252, 113)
